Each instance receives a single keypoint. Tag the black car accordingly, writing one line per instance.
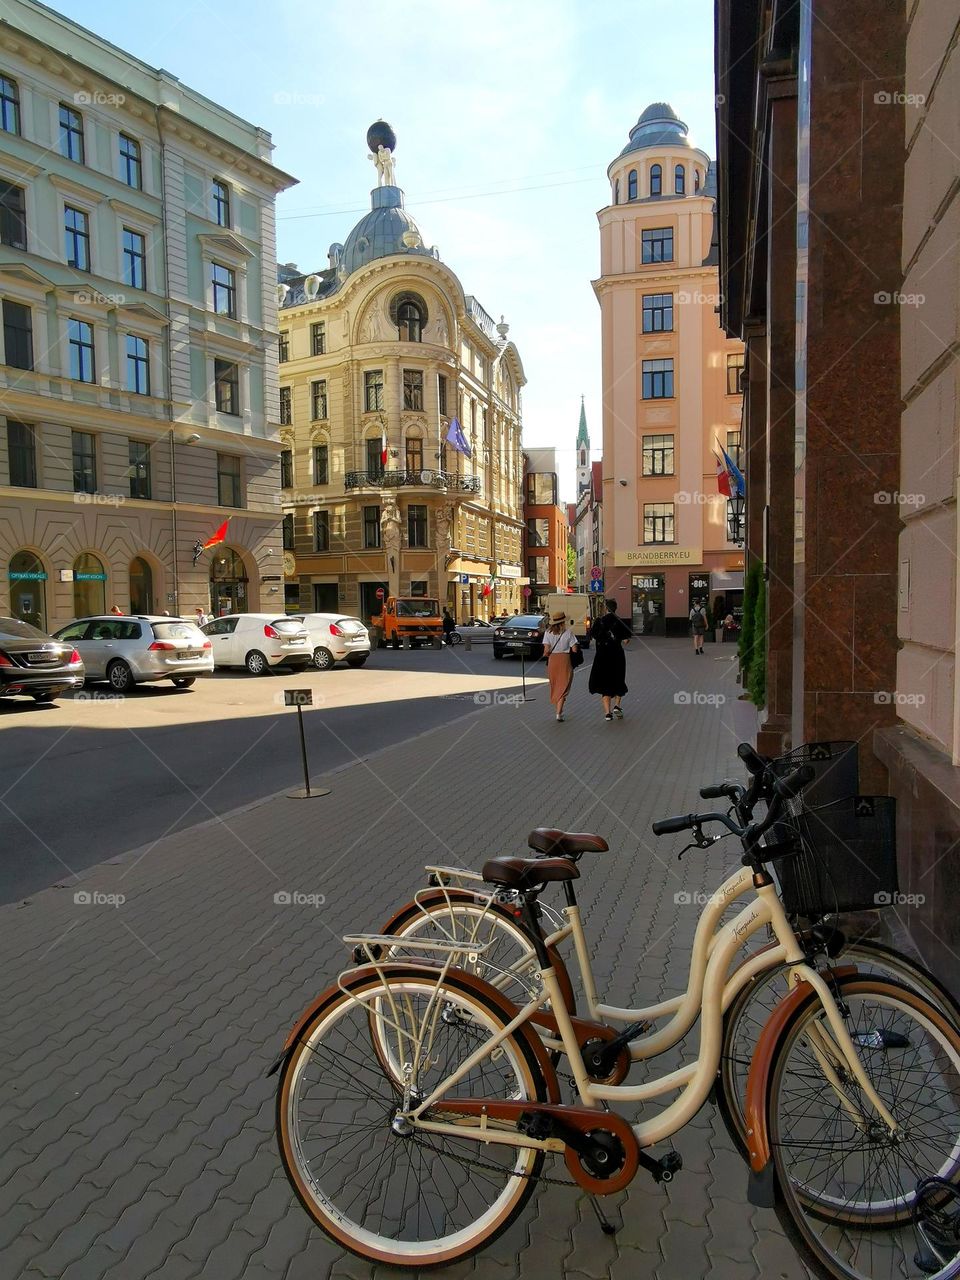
(34, 664)
(520, 635)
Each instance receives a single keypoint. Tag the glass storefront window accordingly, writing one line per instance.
(89, 586)
(28, 581)
(141, 586)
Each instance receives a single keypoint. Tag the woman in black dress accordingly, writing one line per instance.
(609, 670)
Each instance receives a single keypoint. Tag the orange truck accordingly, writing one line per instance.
(415, 619)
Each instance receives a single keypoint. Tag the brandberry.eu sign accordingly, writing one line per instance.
(658, 555)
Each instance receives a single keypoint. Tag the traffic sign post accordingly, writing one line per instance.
(301, 698)
(596, 586)
(381, 594)
(596, 572)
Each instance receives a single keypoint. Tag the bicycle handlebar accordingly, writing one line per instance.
(716, 791)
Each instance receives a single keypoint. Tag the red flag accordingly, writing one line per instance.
(723, 478)
(383, 448)
(489, 585)
(218, 537)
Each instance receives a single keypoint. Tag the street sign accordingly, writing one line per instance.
(464, 579)
(527, 591)
(596, 585)
(298, 697)
(596, 573)
(380, 593)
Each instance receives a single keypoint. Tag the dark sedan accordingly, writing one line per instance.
(32, 663)
(520, 635)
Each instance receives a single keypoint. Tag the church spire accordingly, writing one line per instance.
(583, 451)
(583, 437)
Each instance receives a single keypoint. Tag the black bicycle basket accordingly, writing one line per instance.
(835, 765)
(845, 857)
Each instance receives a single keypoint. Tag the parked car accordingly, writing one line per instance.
(141, 649)
(258, 641)
(35, 664)
(478, 622)
(476, 630)
(521, 635)
(335, 637)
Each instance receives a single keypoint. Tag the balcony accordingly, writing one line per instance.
(444, 481)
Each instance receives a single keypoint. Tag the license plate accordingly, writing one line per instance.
(191, 653)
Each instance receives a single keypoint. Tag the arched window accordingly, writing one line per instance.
(696, 180)
(141, 586)
(89, 586)
(632, 185)
(583, 457)
(656, 177)
(228, 582)
(28, 589)
(409, 313)
(679, 180)
(616, 191)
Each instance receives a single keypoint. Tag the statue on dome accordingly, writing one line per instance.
(386, 166)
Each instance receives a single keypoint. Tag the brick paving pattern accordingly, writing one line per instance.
(138, 1125)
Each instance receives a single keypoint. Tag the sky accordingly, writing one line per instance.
(507, 113)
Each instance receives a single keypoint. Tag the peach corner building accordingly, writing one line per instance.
(671, 385)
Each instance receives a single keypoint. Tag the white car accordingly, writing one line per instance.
(258, 641)
(334, 637)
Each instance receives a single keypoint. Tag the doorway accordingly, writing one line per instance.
(141, 586)
(326, 597)
(228, 583)
(28, 579)
(647, 604)
(369, 604)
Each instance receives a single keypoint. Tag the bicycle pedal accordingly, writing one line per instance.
(664, 1169)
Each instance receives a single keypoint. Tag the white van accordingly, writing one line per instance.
(581, 608)
(259, 642)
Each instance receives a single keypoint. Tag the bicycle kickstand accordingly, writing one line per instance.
(606, 1226)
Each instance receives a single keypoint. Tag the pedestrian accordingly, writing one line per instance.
(609, 670)
(559, 642)
(117, 610)
(449, 626)
(698, 625)
(202, 618)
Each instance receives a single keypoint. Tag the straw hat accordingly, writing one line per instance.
(560, 616)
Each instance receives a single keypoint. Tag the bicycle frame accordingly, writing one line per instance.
(695, 1081)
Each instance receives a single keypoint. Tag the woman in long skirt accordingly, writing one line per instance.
(558, 643)
(608, 675)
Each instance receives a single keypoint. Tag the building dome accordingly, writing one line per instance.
(386, 230)
(658, 126)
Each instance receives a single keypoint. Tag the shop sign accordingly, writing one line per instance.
(508, 571)
(89, 577)
(665, 555)
(28, 577)
(647, 584)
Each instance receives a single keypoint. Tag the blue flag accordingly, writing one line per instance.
(456, 438)
(735, 474)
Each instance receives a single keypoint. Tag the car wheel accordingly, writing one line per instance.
(256, 663)
(120, 677)
(184, 682)
(357, 660)
(323, 659)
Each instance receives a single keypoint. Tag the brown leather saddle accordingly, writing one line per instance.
(565, 844)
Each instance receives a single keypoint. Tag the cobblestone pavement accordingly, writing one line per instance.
(138, 1125)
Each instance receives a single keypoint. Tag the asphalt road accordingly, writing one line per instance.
(88, 779)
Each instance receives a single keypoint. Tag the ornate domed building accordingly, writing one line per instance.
(380, 352)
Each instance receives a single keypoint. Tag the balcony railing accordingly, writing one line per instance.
(426, 478)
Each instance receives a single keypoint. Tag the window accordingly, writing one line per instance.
(658, 522)
(374, 458)
(226, 380)
(632, 185)
(657, 379)
(286, 468)
(134, 259)
(538, 533)
(17, 335)
(679, 180)
(90, 591)
(411, 317)
(318, 338)
(735, 374)
(138, 365)
(538, 570)
(141, 592)
(616, 191)
(371, 527)
(80, 341)
(414, 450)
(373, 390)
(287, 532)
(416, 526)
(283, 348)
(13, 216)
(139, 456)
(658, 455)
(696, 180)
(9, 105)
(76, 232)
(442, 394)
(131, 167)
(542, 488)
(22, 455)
(657, 245)
(221, 203)
(286, 406)
(321, 529)
(656, 180)
(318, 399)
(71, 133)
(321, 464)
(84, 462)
(224, 290)
(733, 446)
(658, 313)
(228, 480)
(413, 389)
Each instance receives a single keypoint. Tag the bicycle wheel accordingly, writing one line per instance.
(748, 1013)
(380, 1187)
(847, 1189)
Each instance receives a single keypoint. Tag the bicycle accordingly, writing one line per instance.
(416, 1104)
(455, 912)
